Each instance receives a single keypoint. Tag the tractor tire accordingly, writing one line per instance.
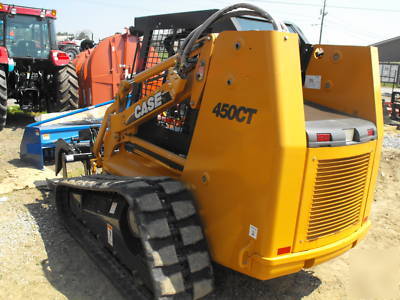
(72, 51)
(3, 98)
(66, 90)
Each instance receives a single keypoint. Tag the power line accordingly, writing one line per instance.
(335, 20)
(331, 6)
(365, 39)
(123, 6)
(342, 28)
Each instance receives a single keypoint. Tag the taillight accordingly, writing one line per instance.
(59, 58)
(284, 250)
(3, 55)
(371, 132)
(324, 137)
(62, 55)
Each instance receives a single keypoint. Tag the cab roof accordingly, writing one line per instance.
(25, 10)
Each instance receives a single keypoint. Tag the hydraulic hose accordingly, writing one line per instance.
(230, 11)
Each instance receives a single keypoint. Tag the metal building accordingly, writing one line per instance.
(389, 50)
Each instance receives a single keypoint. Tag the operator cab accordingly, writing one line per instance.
(162, 36)
(27, 32)
(257, 24)
(27, 36)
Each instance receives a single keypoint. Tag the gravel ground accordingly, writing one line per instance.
(40, 260)
(392, 141)
(392, 137)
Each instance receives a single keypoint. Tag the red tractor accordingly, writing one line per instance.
(32, 69)
(69, 47)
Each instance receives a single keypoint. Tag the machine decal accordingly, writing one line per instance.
(113, 208)
(253, 231)
(232, 112)
(149, 105)
(313, 82)
(109, 235)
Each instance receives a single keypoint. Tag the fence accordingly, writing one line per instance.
(389, 72)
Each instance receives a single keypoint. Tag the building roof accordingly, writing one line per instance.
(386, 41)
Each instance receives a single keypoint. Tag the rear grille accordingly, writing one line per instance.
(338, 195)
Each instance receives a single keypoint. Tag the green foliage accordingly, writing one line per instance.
(16, 110)
(389, 85)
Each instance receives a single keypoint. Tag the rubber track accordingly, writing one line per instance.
(3, 98)
(67, 89)
(170, 230)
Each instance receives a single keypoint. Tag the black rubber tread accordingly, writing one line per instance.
(169, 228)
(3, 98)
(66, 89)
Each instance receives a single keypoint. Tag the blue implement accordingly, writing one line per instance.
(38, 142)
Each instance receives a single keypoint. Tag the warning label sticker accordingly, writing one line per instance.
(313, 82)
(113, 208)
(253, 231)
(109, 235)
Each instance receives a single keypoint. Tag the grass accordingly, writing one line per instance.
(15, 110)
(389, 85)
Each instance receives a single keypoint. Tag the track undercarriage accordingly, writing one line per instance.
(143, 232)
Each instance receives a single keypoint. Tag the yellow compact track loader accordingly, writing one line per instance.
(238, 143)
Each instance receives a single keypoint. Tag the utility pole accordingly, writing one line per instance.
(322, 22)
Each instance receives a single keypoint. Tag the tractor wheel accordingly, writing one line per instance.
(66, 89)
(72, 51)
(3, 98)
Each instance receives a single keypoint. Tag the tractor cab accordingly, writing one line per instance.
(27, 32)
(27, 36)
(33, 71)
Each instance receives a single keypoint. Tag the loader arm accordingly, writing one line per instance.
(121, 121)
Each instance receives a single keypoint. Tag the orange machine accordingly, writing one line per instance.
(101, 69)
(256, 169)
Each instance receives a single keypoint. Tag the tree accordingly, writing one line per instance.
(84, 34)
(65, 33)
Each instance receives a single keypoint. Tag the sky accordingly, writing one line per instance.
(348, 22)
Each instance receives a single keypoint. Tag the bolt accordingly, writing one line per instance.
(336, 56)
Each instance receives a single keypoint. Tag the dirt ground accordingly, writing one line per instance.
(40, 260)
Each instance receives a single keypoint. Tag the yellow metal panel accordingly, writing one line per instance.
(270, 267)
(349, 81)
(250, 174)
(125, 163)
(376, 83)
(345, 202)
